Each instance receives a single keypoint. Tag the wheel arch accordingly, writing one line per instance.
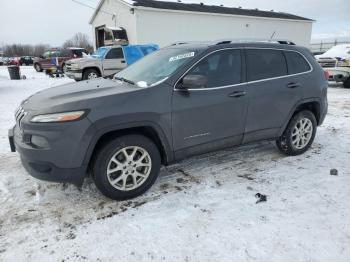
(312, 104)
(149, 130)
(92, 67)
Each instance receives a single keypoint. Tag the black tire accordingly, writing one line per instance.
(106, 152)
(37, 67)
(346, 83)
(285, 144)
(87, 74)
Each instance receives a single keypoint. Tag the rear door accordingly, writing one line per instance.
(213, 117)
(114, 61)
(271, 91)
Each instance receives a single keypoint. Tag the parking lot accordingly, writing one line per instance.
(201, 209)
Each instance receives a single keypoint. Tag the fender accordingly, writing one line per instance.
(303, 101)
(169, 154)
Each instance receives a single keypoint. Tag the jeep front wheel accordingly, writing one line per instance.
(126, 167)
(299, 134)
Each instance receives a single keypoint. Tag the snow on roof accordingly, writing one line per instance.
(203, 8)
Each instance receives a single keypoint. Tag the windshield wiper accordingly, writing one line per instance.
(124, 80)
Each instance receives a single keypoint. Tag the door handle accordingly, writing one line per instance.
(237, 94)
(123, 61)
(293, 85)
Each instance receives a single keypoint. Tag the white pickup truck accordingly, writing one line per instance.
(106, 61)
(336, 61)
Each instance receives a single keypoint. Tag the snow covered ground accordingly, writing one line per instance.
(202, 209)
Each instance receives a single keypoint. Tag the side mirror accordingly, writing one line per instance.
(193, 81)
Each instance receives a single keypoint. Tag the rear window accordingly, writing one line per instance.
(78, 52)
(296, 63)
(265, 63)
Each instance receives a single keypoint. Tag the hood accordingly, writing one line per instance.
(74, 96)
(83, 60)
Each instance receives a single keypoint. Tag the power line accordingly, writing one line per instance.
(91, 7)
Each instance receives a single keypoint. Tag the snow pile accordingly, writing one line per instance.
(202, 209)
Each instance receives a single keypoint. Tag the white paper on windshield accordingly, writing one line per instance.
(178, 57)
(142, 84)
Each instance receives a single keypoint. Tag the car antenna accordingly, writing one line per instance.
(273, 34)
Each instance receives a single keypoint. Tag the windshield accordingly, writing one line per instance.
(100, 52)
(156, 67)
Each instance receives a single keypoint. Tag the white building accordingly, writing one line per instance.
(163, 23)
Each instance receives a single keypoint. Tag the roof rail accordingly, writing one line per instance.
(179, 43)
(277, 41)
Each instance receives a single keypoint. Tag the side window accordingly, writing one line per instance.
(296, 63)
(55, 53)
(46, 54)
(115, 53)
(265, 63)
(65, 53)
(222, 68)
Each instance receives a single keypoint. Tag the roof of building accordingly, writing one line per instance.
(203, 8)
(214, 9)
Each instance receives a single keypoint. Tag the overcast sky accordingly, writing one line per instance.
(54, 21)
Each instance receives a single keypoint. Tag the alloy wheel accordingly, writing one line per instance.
(129, 168)
(302, 133)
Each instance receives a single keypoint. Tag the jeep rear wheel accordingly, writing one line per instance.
(90, 74)
(299, 134)
(126, 167)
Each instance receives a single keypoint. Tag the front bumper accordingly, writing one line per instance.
(77, 75)
(58, 155)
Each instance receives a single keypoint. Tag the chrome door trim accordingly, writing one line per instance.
(243, 83)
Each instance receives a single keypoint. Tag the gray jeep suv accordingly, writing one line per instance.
(180, 101)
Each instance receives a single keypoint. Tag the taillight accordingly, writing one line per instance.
(326, 74)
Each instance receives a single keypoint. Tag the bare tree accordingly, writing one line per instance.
(79, 40)
(25, 50)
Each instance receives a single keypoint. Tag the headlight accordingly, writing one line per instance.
(58, 117)
(74, 66)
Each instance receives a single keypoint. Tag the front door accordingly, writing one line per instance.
(212, 117)
(114, 61)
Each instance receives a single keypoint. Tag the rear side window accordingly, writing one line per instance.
(78, 52)
(222, 68)
(115, 53)
(265, 63)
(296, 63)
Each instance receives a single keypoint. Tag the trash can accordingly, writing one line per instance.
(14, 72)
